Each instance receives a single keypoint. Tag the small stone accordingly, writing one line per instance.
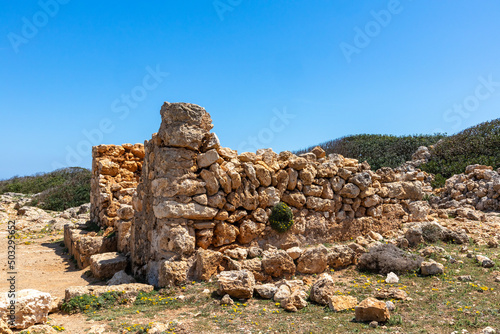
(341, 303)
(373, 324)
(485, 261)
(390, 305)
(465, 278)
(226, 300)
(488, 330)
(392, 278)
(266, 291)
(372, 309)
(431, 268)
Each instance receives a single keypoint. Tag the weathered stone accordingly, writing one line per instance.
(238, 284)
(282, 293)
(211, 183)
(372, 309)
(278, 263)
(322, 289)
(341, 303)
(265, 291)
(419, 210)
(172, 273)
(431, 268)
(225, 234)
(313, 261)
(340, 256)
(249, 230)
(129, 290)
(207, 158)
(105, 265)
(204, 238)
(294, 252)
(294, 199)
(350, 191)
(296, 301)
(227, 300)
(207, 263)
(391, 293)
(320, 204)
(172, 209)
(121, 277)
(361, 180)
(32, 307)
(263, 175)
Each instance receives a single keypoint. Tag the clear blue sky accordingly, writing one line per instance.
(335, 67)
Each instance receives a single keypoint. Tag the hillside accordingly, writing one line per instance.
(58, 190)
(378, 150)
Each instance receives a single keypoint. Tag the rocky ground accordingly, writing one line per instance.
(457, 291)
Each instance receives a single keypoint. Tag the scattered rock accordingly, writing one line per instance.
(465, 278)
(372, 309)
(431, 268)
(265, 291)
(236, 283)
(391, 293)
(373, 324)
(341, 303)
(282, 293)
(277, 263)
(313, 261)
(226, 300)
(32, 307)
(296, 301)
(488, 330)
(390, 305)
(387, 258)
(392, 278)
(485, 261)
(40, 329)
(322, 289)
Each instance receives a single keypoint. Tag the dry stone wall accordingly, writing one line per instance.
(116, 170)
(194, 194)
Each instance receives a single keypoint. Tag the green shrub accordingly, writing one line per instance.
(281, 217)
(479, 144)
(90, 303)
(378, 150)
(58, 190)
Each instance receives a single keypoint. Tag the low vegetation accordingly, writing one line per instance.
(479, 144)
(57, 190)
(378, 150)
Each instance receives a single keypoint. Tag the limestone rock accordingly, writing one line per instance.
(104, 266)
(431, 268)
(392, 278)
(121, 277)
(265, 291)
(172, 209)
(391, 293)
(294, 252)
(296, 301)
(282, 293)
(227, 300)
(4, 327)
(40, 329)
(341, 256)
(172, 273)
(32, 307)
(419, 210)
(225, 234)
(278, 263)
(237, 284)
(313, 261)
(341, 303)
(372, 309)
(322, 289)
(208, 158)
(207, 263)
(130, 290)
(249, 230)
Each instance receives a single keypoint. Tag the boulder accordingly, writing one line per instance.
(313, 260)
(265, 291)
(296, 301)
(322, 289)
(277, 263)
(341, 256)
(172, 273)
(32, 307)
(431, 268)
(207, 263)
(104, 266)
(236, 283)
(372, 309)
(282, 293)
(341, 303)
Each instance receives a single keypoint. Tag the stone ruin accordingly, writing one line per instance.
(197, 202)
(116, 170)
(193, 194)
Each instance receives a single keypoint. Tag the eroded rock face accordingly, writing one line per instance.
(32, 307)
(237, 284)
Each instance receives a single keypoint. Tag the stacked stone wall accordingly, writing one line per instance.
(195, 194)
